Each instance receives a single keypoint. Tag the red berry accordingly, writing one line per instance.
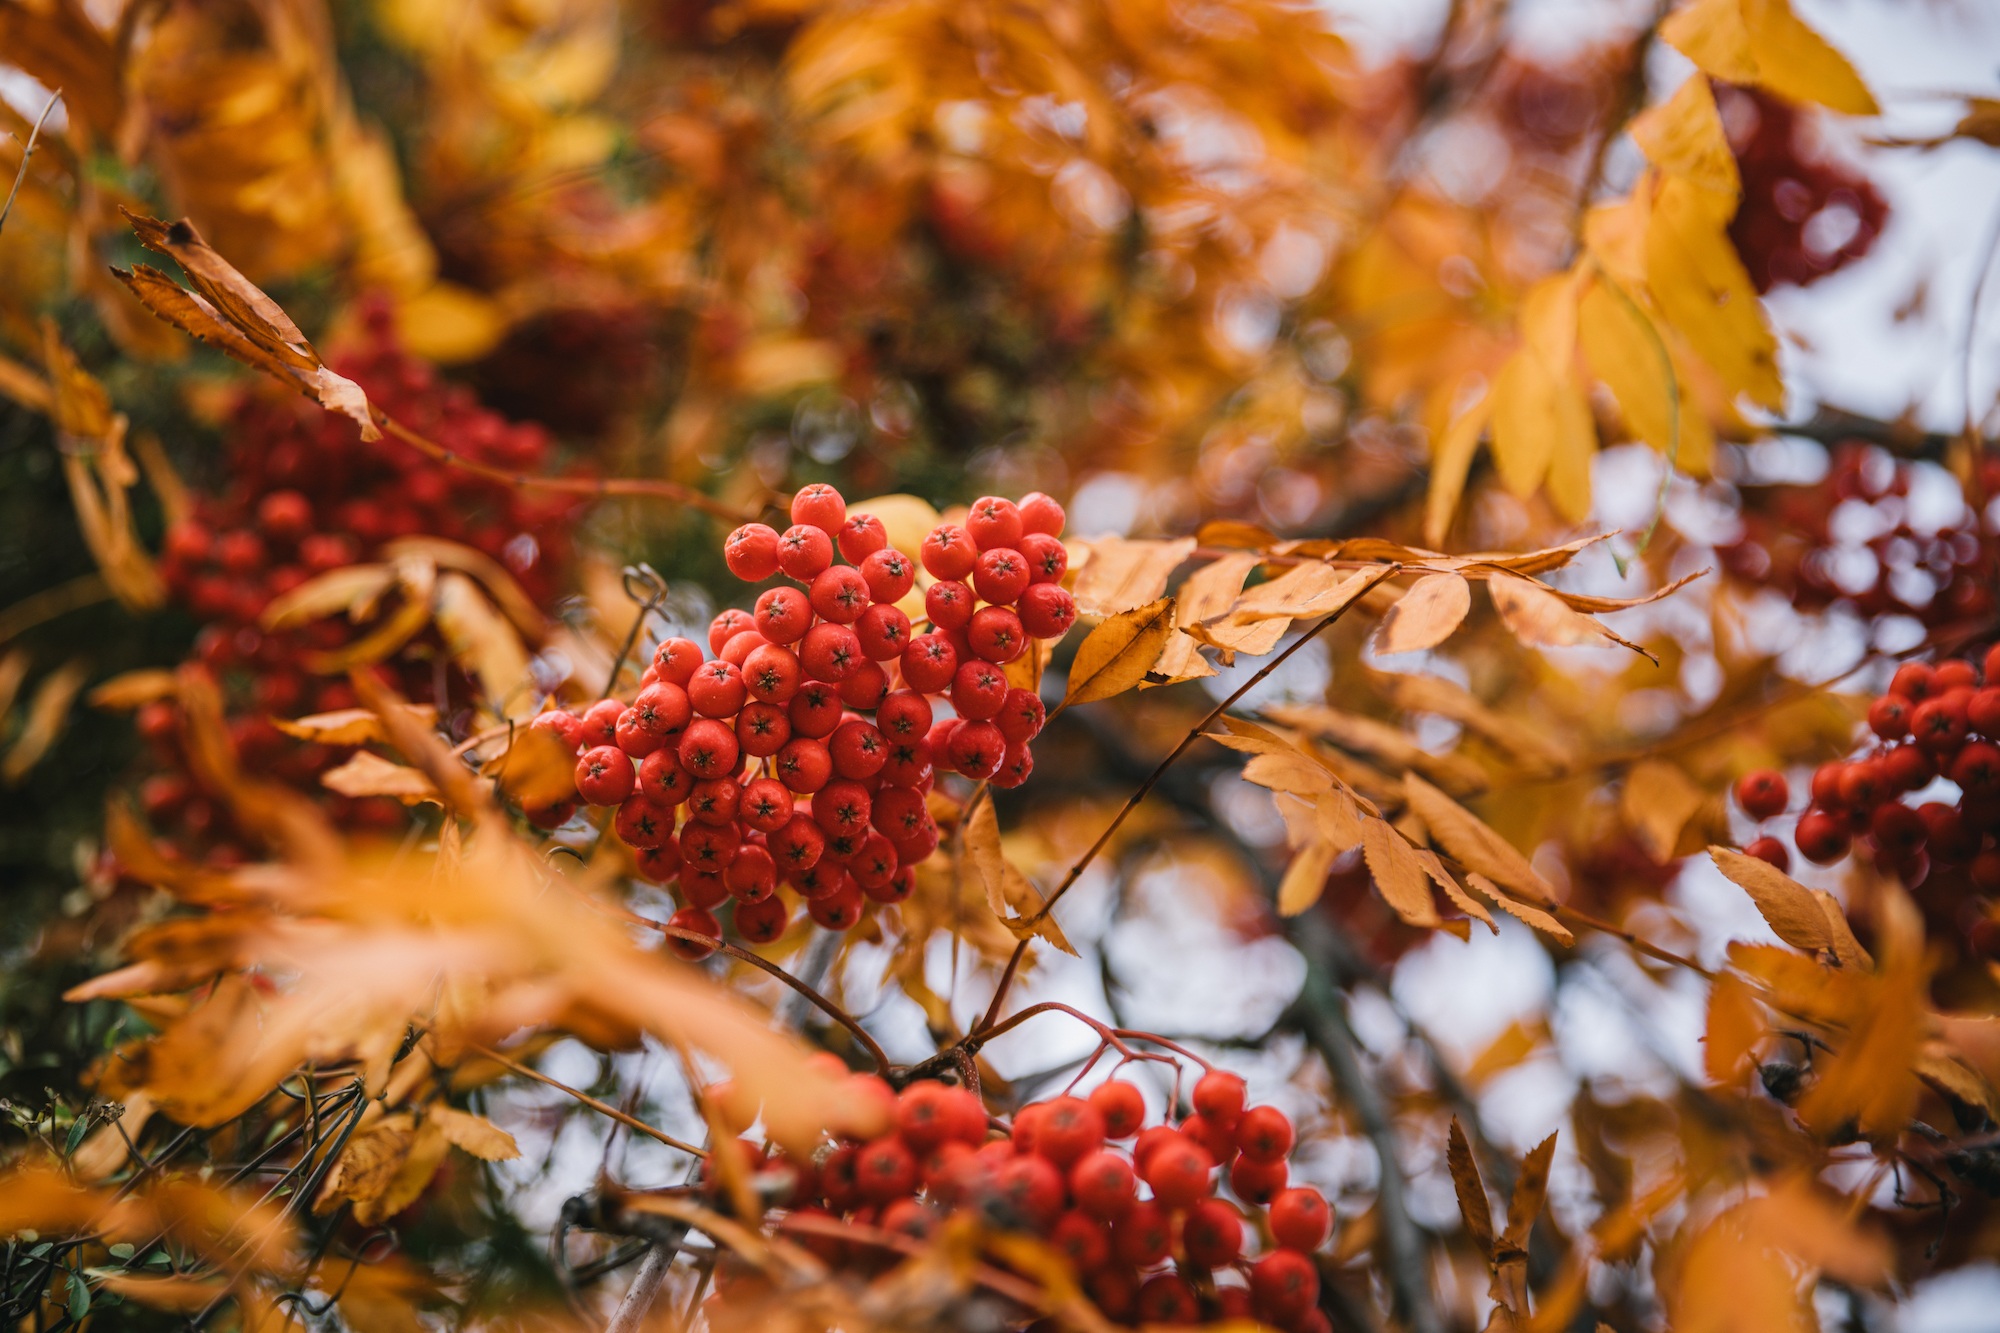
(1982, 711)
(1070, 1128)
(714, 800)
(727, 626)
(1977, 768)
(751, 552)
(815, 710)
(928, 663)
(1937, 725)
(1212, 1234)
(865, 688)
(1048, 559)
(1897, 829)
(949, 604)
(1001, 575)
(1219, 1096)
(285, 516)
(1122, 1106)
(976, 749)
(700, 922)
(861, 536)
(1143, 1235)
(1020, 717)
(948, 553)
(1081, 1239)
(993, 522)
(708, 749)
(752, 875)
(1946, 836)
(903, 715)
(884, 632)
(1284, 1284)
(1763, 793)
(821, 506)
(1769, 849)
(1862, 785)
(1914, 681)
(978, 690)
(885, 1169)
(996, 634)
(1046, 611)
(842, 806)
(1167, 1298)
(1179, 1172)
(839, 594)
(604, 775)
(1040, 513)
(677, 660)
(717, 690)
(1954, 674)
(804, 765)
(662, 779)
(1300, 1219)
(1264, 1133)
(1821, 837)
(1016, 764)
(831, 653)
(660, 864)
(770, 675)
(762, 729)
(1907, 768)
(783, 615)
(1889, 717)
(1258, 1182)
(797, 845)
(643, 823)
(889, 575)
(804, 551)
(1103, 1184)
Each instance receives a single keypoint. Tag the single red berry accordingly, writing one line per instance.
(1143, 1235)
(804, 765)
(821, 506)
(1914, 681)
(1821, 837)
(643, 823)
(783, 615)
(600, 722)
(700, 922)
(1048, 559)
(1040, 513)
(285, 516)
(815, 710)
(1017, 763)
(976, 749)
(708, 749)
(885, 1169)
(1862, 785)
(1168, 1298)
(1954, 674)
(842, 806)
(662, 779)
(863, 690)
(727, 626)
(1889, 717)
(765, 805)
(763, 729)
(978, 690)
(1212, 1234)
(949, 604)
(861, 536)
(996, 634)
(714, 800)
(1178, 1172)
(839, 594)
(1122, 1105)
(1115, 1291)
(677, 660)
(1046, 611)
(1897, 829)
(928, 663)
(752, 875)
(717, 690)
(1001, 575)
(1763, 793)
(1103, 1184)
(604, 775)
(1769, 849)
(1982, 711)
(1300, 1219)
(1258, 1182)
(1219, 1097)
(1826, 785)
(751, 552)
(904, 715)
(948, 553)
(924, 1115)
(1946, 836)
(662, 863)
(831, 653)
(1265, 1133)
(770, 674)
(763, 921)
(840, 909)
(1020, 717)
(889, 575)
(1081, 1239)
(1938, 726)
(884, 632)
(1284, 1284)
(1907, 768)
(1070, 1128)
(858, 750)
(1977, 768)
(804, 552)
(993, 522)
(797, 845)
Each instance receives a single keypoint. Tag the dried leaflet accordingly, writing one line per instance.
(1399, 877)
(1207, 593)
(1119, 574)
(1785, 903)
(1426, 615)
(1540, 619)
(1657, 801)
(1116, 655)
(1470, 842)
(1017, 903)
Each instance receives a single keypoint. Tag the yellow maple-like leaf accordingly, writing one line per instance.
(1763, 42)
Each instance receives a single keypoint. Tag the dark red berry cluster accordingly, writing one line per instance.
(305, 495)
(1945, 577)
(1935, 721)
(825, 691)
(1158, 1223)
(1803, 214)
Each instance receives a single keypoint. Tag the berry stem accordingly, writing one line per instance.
(819, 1001)
(602, 1108)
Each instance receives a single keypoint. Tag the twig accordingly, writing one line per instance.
(44, 606)
(1385, 573)
(602, 1108)
(645, 1289)
(26, 154)
(1323, 1015)
(1650, 950)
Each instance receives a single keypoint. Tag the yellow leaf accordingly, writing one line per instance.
(1703, 290)
(349, 726)
(46, 714)
(1520, 911)
(1473, 1204)
(1017, 903)
(1305, 877)
(1847, 950)
(1763, 42)
(1458, 897)
(351, 589)
(1735, 1026)
(1473, 845)
(1658, 800)
(448, 323)
(1208, 592)
(1683, 137)
(475, 1134)
(1712, 33)
(1399, 877)
(1425, 616)
(367, 774)
(1784, 902)
(1627, 353)
(1540, 619)
(484, 645)
(1451, 460)
(129, 690)
(1119, 652)
(1118, 574)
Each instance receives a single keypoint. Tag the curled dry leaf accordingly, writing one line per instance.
(349, 726)
(1540, 619)
(1785, 903)
(1119, 574)
(1426, 615)
(1017, 903)
(474, 1134)
(485, 645)
(536, 770)
(1523, 912)
(1379, 740)
(46, 714)
(506, 592)
(366, 774)
(1475, 846)
(1207, 593)
(1116, 655)
(131, 689)
(1399, 877)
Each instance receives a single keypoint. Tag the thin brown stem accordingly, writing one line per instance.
(602, 1108)
(27, 154)
(1383, 575)
(819, 1001)
(1570, 914)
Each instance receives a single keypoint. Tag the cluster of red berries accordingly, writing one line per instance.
(1137, 1211)
(1802, 215)
(306, 495)
(1935, 721)
(825, 692)
(1788, 543)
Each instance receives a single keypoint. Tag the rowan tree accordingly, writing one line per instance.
(793, 665)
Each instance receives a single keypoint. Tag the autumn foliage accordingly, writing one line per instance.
(790, 665)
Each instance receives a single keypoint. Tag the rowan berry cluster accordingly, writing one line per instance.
(1803, 214)
(1158, 1223)
(825, 691)
(1789, 543)
(1936, 721)
(305, 495)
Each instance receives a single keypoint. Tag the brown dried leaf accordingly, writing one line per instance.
(1305, 877)
(1475, 846)
(349, 726)
(506, 592)
(1426, 615)
(1312, 589)
(535, 771)
(1117, 654)
(1473, 1205)
(367, 774)
(46, 714)
(1530, 1189)
(1785, 903)
(1538, 618)
(1017, 903)
(1735, 1026)
(1459, 898)
(351, 590)
(484, 645)
(1846, 949)
(1119, 574)
(1658, 800)
(1520, 911)
(132, 689)
(1366, 735)
(1399, 877)
(474, 1134)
